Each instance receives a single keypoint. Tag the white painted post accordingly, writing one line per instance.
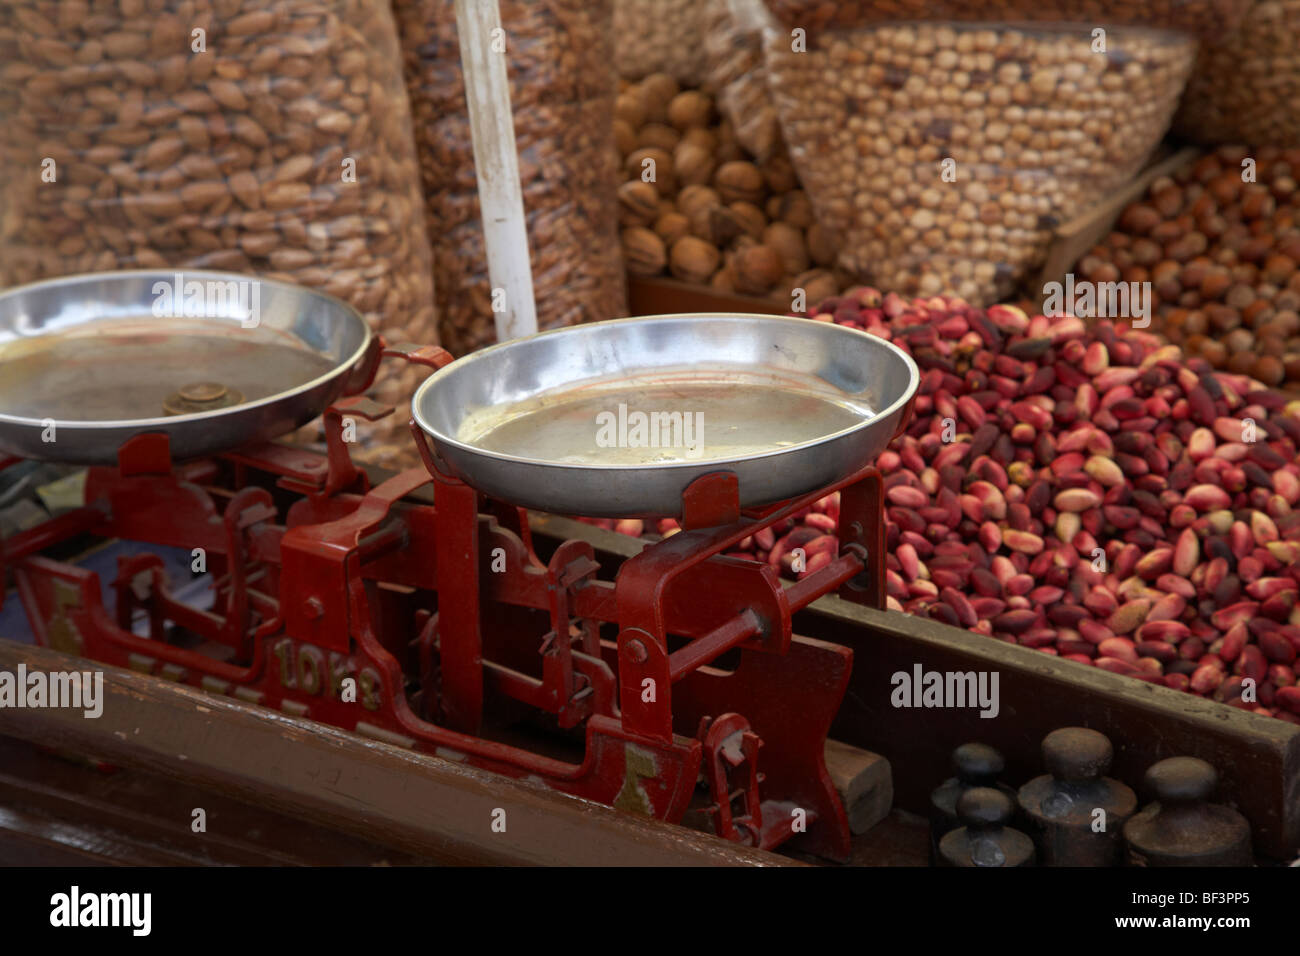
(492, 128)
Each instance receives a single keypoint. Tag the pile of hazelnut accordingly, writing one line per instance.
(1246, 81)
(696, 206)
(1219, 240)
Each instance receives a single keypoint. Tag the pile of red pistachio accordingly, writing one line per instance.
(1085, 490)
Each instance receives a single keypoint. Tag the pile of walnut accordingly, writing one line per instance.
(696, 206)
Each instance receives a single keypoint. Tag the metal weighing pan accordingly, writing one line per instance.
(215, 360)
(605, 419)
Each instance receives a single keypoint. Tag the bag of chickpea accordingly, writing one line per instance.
(1247, 83)
(946, 154)
(562, 89)
(1208, 18)
(269, 137)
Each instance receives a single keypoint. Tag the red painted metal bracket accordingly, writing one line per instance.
(428, 355)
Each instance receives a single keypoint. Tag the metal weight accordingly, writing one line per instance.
(984, 839)
(1182, 828)
(1076, 814)
(975, 765)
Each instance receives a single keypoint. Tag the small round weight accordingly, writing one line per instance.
(984, 839)
(1182, 780)
(1181, 828)
(1074, 813)
(1076, 754)
(984, 807)
(977, 764)
(974, 765)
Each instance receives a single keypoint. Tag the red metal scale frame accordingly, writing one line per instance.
(412, 623)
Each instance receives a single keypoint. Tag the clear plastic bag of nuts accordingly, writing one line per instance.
(562, 88)
(945, 154)
(734, 74)
(1206, 17)
(1247, 83)
(267, 137)
(658, 36)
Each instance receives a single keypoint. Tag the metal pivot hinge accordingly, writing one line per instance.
(729, 745)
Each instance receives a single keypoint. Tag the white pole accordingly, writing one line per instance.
(483, 51)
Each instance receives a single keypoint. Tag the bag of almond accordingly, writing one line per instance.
(562, 89)
(270, 137)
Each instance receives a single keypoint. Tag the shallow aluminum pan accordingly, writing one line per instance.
(551, 421)
(88, 361)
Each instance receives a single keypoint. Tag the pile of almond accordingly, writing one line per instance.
(562, 88)
(260, 137)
